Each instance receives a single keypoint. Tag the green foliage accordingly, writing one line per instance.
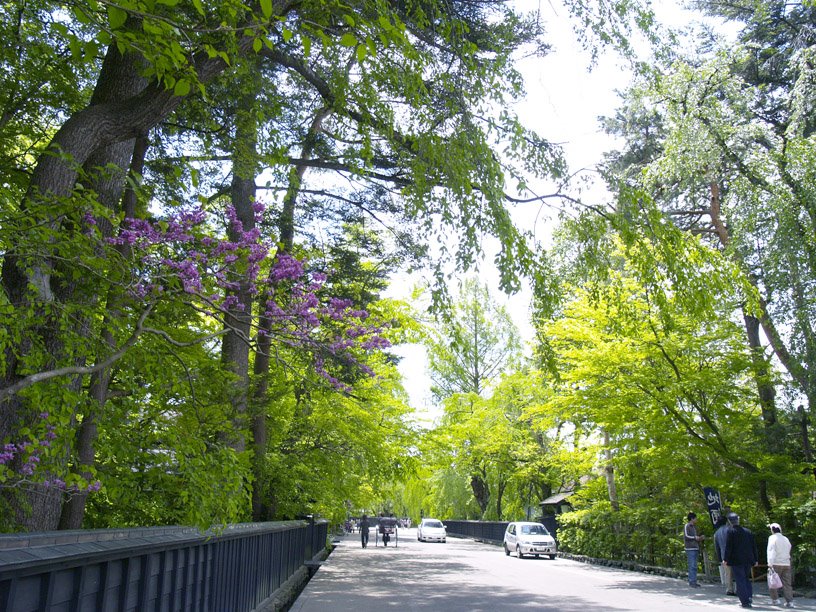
(667, 385)
(483, 459)
(718, 140)
(66, 290)
(408, 103)
(644, 532)
(162, 454)
(603, 24)
(38, 86)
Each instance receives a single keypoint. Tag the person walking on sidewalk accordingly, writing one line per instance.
(741, 556)
(692, 543)
(719, 548)
(779, 558)
(364, 525)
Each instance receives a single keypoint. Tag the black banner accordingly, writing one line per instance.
(714, 504)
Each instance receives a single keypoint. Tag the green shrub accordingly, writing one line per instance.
(651, 534)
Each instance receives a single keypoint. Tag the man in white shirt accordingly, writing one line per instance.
(779, 549)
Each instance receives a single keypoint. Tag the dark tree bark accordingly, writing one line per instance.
(73, 509)
(235, 348)
(500, 488)
(481, 492)
(123, 107)
(765, 388)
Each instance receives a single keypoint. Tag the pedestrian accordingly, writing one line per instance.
(364, 525)
(741, 556)
(692, 542)
(720, 534)
(779, 559)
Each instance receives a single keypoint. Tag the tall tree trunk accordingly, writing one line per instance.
(262, 509)
(761, 368)
(609, 473)
(73, 509)
(481, 492)
(804, 376)
(235, 348)
(500, 487)
(762, 376)
(104, 169)
(804, 429)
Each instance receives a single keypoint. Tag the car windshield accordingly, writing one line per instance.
(534, 530)
(433, 524)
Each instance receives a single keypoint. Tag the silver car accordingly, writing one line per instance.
(431, 530)
(527, 538)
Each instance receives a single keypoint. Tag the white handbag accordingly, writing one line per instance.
(774, 579)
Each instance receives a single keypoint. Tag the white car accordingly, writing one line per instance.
(432, 530)
(529, 539)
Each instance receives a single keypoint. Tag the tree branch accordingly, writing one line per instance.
(81, 370)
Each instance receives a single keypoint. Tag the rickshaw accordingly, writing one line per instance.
(386, 530)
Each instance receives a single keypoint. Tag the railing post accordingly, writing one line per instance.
(310, 538)
(706, 564)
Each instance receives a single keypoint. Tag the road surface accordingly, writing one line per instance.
(466, 576)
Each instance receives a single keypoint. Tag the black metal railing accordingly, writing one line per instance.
(488, 531)
(492, 531)
(171, 568)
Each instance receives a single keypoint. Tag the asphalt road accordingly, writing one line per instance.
(467, 576)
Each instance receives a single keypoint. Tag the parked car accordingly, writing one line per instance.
(432, 530)
(529, 539)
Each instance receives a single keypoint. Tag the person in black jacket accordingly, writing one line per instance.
(741, 555)
(720, 536)
(364, 526)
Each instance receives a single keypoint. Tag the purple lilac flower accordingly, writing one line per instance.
(286, 267)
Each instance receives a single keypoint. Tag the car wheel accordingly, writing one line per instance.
(552, 556)
(506, 550)
(536, 556)
(519, 554)
(443, 541)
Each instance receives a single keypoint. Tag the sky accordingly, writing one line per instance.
(563, 102)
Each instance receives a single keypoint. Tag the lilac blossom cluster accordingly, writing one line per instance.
(181, 249)
(348, 328)
(29, 460)
(28, 452)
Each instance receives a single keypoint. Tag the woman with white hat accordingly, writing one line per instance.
(779, 559)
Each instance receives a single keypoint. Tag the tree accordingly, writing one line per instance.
(145, 77)
(475, 346)
(649, 391)
(114, 236)
(730, 164)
